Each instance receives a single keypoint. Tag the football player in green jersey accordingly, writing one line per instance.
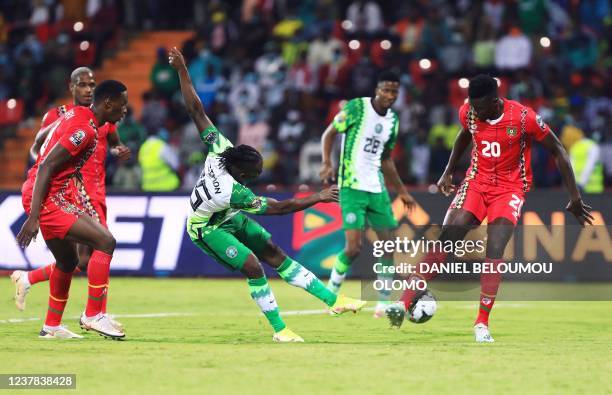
(369, 130)
(218, 227)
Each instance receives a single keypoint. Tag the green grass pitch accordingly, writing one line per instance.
(221, 344)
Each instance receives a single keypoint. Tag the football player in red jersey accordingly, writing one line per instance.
(82, 85)
(56, 200)
(501, 132)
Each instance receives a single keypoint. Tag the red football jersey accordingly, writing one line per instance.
(94, 170)
(501, 152)
(76, 131)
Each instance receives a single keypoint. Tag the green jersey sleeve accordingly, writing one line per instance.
(214, 140)
(244, 199)
(349, 115)
(390, 144)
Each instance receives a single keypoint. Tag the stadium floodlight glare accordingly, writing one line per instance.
(425, 64)
(84, 46)
(346, 24)
(545, 42)
(464, 83)
(78, 26)
(354, 44)
(385, 44)
(11, 103)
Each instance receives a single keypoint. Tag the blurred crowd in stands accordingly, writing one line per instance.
(273, 73)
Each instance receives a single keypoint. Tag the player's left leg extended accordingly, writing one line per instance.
(255, 237)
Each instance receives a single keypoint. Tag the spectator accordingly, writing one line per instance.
(494, 13)
(321, 50)
(254, 131)
(409, 30)
(513, 51)
(163, 77)
(154, 111)
(585, 156)
(159, 163)
(128, 176)
(365, 17)
(131, 132)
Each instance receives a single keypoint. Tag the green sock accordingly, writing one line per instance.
(338, 273)
(262, 295)
(385, 294)
(343, 263)
(298, 276)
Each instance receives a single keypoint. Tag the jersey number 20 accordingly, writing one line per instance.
(491, 149)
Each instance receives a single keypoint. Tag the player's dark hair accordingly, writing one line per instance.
(242, 156)
(482, 85)
(76, 73)
(109, 89)
(388, 76)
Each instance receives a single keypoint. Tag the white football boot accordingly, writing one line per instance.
(101, 324)
(482, 334)
(57, 332)
(22, 287)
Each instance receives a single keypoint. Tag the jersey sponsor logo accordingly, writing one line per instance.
(350, 218)
(512, 131)
(540, 122)
(378, 128)
(77, 138)
(231, 252)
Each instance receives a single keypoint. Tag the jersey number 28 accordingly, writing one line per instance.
(371, 145)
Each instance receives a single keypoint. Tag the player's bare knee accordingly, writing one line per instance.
(107, 243)
(252, 268)
(67, 266)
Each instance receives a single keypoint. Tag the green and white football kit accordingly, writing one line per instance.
(367, 139)
(218, 227)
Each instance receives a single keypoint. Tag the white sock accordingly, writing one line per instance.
(337, 278)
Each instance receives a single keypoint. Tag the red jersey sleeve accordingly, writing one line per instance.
(50, 117)
(535, 125)
(463, 110)
(77, 137)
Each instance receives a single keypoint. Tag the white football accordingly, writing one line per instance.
(423, 308)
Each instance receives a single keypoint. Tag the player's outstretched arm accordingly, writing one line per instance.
(445, 183)
(275, 207)
(52, 163)
(576, 206)
(192, 101)
(327, 142)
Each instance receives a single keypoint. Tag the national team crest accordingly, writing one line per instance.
(378, 128)
(77, 138)
(231, 252)
(511, 130)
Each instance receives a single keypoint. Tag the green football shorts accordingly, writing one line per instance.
(359, 206)
(232, 242)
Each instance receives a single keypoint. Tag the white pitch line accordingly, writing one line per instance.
(147, 315)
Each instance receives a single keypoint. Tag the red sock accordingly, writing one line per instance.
(431, 257)
(105, 299)
(489, 284)
(40, 274)
(97, 274)
(59, 285)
